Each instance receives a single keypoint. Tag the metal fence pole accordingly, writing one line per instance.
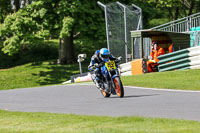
(80, 67)
(188, 23)
(125, 35)
(106, 19)
(140, 25)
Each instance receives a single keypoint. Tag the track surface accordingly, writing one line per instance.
(87, 100)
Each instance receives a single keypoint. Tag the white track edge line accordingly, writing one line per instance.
(145, 88)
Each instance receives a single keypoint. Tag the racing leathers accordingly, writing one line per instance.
(95, 65)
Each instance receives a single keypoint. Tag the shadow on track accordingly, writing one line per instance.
(134, 96)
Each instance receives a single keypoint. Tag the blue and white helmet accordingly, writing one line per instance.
(104, 53)
(97, 51)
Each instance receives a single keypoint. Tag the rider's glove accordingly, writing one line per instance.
(96, 65)
(101, 64)
(153, 61)
(119, 58)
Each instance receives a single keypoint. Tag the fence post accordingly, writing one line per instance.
(106, 19)
(188, 23)
(125, 35)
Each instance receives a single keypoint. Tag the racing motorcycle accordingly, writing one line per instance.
(110, 82)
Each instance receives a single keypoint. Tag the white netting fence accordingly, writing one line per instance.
(121, 19)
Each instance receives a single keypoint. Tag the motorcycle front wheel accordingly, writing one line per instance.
(119, 89)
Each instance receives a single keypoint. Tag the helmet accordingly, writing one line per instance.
(97, 51)
(104, 53)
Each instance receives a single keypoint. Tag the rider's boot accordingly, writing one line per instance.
(106, 90)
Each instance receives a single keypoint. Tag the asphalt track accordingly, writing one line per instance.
(87, 100)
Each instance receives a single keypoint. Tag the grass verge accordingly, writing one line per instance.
(183, 79)
(19, 122)
(36, 74)
(49, 73)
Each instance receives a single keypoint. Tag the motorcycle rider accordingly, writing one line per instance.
(97, 61)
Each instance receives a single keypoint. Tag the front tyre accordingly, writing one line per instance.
(119, 89)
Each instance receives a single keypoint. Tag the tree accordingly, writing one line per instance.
(79, 22)
(24, 29)
(16, 4)
(66, 49)
(176, 8)
(82, 22)
(66, 11)
(5, 9)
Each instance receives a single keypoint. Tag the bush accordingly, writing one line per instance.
(48, 50)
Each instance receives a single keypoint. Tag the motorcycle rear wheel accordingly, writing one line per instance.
(119, 89)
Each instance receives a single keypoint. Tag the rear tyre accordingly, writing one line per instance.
(119, 89)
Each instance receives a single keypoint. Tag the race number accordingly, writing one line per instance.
(110, 65)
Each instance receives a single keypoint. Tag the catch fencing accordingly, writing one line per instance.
(120, 19)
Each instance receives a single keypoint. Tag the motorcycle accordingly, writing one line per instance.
(110, 82)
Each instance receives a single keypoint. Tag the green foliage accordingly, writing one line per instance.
(66, 8)
(44, 19)
(46, 50)
(91, 25)
(24, 29)
(176, 8)
(149, 12)
(164, 3)
(157, 21)
(67, 27)
(5, 9)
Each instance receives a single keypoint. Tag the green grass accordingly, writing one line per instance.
(18, 122)
(49, 73)
(36, 74)
(182, 79)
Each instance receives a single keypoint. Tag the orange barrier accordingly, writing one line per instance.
(138, 66)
